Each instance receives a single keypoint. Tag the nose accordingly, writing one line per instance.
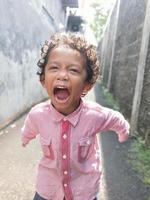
(62, 75)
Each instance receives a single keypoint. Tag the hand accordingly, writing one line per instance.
(23, 145)
(123, 137)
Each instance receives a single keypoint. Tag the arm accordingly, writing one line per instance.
(29, 130)
(114, 121)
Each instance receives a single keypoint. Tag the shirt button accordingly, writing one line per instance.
(65, 172)
(65, 185)
(64, 136)
(64, 156)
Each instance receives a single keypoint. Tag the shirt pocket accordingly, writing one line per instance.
(84, 148)
(47, 149)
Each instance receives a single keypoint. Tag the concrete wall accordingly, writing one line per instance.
(128, 41)
(126, 58)
(107, 44)
(24, 26)
(127, 47)
(144, 113)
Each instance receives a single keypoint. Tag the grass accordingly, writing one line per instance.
(139, 154)
(111, 102)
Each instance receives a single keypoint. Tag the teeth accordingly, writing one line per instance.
(61, 87)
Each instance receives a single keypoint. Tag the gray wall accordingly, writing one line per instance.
(127, 47)
(128, 41)
(144, 114)
(24, 26)
(107, 43)
(126, 58)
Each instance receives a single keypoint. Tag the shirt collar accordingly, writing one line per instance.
(73, 118)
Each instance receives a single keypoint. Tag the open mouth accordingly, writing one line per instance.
(61, 93)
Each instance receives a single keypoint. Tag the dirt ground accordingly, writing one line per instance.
(18, 165)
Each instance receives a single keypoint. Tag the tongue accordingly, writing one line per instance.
(62, 94)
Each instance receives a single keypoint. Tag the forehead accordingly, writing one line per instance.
(62, 48)
(66, 52)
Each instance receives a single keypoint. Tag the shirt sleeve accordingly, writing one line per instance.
(29, 129)
(115, 121)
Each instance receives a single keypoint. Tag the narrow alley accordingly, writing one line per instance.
(123, 50)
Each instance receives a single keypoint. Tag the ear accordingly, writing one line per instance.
(42, 80)
(86, 88)
(43, 84)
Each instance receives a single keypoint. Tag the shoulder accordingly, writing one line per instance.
(101, 117)
(93, 107)
(40, 108)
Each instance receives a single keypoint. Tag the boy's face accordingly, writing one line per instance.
(65, 78)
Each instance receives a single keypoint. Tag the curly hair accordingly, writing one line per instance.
(74, 41)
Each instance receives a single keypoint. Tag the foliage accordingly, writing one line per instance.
(140, 159)
(111, 102)
(101, 10)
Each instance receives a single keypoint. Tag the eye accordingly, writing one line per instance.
(53, 68)
(74, 70)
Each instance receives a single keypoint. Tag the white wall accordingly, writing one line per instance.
(24, 26)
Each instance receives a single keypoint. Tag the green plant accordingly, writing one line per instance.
(140, 159)
(111, 102)
(101, 10)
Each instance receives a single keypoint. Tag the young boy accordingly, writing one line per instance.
(68, 126)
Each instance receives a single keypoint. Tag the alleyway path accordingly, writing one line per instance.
(18, 166)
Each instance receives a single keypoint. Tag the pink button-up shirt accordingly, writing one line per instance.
(70, 165)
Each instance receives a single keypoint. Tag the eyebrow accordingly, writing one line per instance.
(69, 65)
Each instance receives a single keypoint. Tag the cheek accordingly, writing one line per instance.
(49, 78)
(47, 84)
(79, 88)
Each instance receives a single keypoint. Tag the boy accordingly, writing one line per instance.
(68, 126)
